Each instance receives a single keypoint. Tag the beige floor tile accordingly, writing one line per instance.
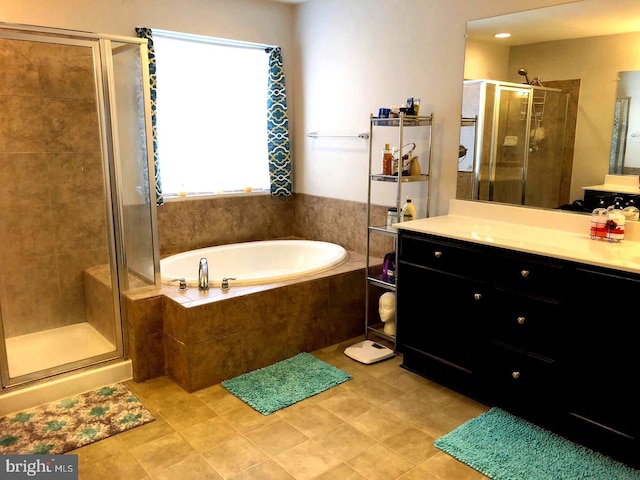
(267, 470)
(208, 434)
(413, 444)
(444, 466)
(464, 409)
(146, 433)
(123, 465)
(218, 399)
(95, 452)
(194, 467)
(306, 460)
(312, 420)
(345, 442)
(245, 419)
(380, 463)
(162, 452)
(378, 423)
(409, 408)
(437, 424)
(342, 472)
(346, 405)
(276, 437)
(234, 456)
(186, 413)
(376, 392)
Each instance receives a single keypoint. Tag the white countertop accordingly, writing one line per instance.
(614, 188)
(553, 233)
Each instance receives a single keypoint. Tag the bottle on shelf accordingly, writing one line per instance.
(408, 211)
(387, 157)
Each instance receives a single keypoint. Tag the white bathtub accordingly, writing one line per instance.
(253, 263)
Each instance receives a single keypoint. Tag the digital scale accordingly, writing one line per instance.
(368, 352)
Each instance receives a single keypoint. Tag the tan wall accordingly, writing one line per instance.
(52, 211)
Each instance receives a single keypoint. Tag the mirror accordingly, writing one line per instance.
(581, 48)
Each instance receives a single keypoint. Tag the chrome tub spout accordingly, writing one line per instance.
(203, 275)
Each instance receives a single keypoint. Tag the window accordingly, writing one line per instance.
(211, 115)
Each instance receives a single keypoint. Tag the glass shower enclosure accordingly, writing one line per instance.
(515, 151)
(76, 204)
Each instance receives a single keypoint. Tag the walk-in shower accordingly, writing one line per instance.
(76, 210)
(516, 148)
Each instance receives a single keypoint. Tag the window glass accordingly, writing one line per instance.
(211, 116)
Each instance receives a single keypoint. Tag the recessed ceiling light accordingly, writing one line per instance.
(502, 35)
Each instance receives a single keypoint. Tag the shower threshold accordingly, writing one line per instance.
(51, 348)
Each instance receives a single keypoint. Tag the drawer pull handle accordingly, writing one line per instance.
(524, 273)
(515, 375)
(477, 296)
(437, 254)
(520, 320)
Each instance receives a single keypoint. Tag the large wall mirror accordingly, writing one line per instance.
(555, 107)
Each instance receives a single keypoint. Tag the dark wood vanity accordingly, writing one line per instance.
(545, 338)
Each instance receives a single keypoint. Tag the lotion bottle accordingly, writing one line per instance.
(387, 158)
(408, 211)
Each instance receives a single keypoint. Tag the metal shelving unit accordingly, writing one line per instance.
(375, 282)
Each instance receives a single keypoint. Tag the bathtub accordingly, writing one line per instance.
(254, 263)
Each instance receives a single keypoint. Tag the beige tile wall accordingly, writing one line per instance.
(52, 211)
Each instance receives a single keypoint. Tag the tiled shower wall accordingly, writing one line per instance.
(52, 211)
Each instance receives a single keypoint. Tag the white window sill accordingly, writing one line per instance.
(205, 196)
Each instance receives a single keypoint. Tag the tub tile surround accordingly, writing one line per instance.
(199, 338)
(193, 222)
(212, 336)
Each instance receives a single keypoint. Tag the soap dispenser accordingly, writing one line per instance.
(599, 220)
(616, 221)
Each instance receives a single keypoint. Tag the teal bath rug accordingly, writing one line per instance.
(284, 383)
(505, 447)
(64, 425)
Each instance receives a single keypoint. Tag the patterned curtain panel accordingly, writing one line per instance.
(143, 32)
(278, 128)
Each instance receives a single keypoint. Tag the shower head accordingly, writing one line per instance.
(523, 72)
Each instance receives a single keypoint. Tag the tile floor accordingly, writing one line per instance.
(380, 425)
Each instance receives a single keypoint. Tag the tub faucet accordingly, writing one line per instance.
(225, 283)
(203, 274)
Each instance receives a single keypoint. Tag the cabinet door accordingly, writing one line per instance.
(439, 317)
(603, 359)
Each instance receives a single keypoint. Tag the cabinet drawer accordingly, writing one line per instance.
(455, 259)
(528, 323)
(519, 382)
(530, 275)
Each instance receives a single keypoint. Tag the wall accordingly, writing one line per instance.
(338, 70)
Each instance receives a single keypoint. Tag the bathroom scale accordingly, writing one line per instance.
(368, 352)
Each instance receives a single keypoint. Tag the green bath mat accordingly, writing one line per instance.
(284, 383)
(505, 447)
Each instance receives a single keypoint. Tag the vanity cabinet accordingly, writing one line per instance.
(543, 338)
(444, 348)
(603, 359)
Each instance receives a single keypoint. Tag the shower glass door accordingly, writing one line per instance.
(60, 209)
(508, 159)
